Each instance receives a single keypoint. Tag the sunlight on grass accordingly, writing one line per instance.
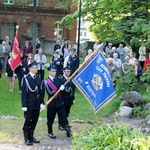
(5, 137)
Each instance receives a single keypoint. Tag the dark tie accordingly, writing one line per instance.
(33, 77)
(41, 60)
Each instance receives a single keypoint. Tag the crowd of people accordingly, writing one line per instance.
(64, 62)
(33, 86)
(120, 58)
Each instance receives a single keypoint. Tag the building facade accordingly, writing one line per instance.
(19, 12)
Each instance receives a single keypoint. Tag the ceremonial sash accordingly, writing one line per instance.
(53, 86)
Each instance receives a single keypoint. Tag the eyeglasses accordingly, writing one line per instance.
(53, 71)
(34, 67)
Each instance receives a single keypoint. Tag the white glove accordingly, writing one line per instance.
(42, 106)
(6, 74)
(73, 101)
(24, 108)
(62, 87)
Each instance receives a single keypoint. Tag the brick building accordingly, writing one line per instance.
(13, 12)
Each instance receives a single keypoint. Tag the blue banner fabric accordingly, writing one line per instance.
(94, 81)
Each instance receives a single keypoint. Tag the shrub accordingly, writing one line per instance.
(106, 137)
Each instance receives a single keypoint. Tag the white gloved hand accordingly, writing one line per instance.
(73, 101)
(24, 108)
(6, 74)
(62, 87)
(43, 107)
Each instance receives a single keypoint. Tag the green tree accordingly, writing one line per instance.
(134, 21)
(116, 19)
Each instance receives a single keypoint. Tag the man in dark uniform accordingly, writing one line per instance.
(58, 63)
(32, 100)
(73, 61)
(68, 93)
(52, 84)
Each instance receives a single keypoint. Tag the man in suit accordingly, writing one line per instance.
(52, 84)
(68, 93)
(32, 100)
(4, 54)
(41, 60)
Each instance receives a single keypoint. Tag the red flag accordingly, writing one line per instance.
(16, 58)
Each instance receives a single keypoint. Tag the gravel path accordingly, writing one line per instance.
(64, 143)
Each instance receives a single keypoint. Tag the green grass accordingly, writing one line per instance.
(11, 103)
(82, 109)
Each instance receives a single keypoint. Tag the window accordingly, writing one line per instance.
(61, 1)
(58, 31)
(85, 34)
(31, 2)
(8, 29)
(9, 2)
(38, 30)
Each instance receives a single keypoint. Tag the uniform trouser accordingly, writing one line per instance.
(67, 110)
(41, 74)
(51, 113)
(31, 118)
(20, 76)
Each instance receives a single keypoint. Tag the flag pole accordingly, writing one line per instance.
(13, 79)
(81, 66)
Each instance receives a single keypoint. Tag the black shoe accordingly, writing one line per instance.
(61, 127)
(35, 140)
(52, 135)
(69, 134)
(28, 142)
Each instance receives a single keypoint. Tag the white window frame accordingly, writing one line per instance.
(8, 2)
(31, 2)
(57, 29)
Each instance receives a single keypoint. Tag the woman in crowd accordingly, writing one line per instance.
(10, 73)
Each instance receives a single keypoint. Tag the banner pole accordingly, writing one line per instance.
(82, 65)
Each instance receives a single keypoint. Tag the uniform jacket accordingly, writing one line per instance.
(58, 63)
(68, 93)
(31, 99)
(57, 101)
(73, 63)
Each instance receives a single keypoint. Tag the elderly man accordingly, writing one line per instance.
(118, 64)
(4, 54)
(41, 60)
(126, 65)
(112, 67)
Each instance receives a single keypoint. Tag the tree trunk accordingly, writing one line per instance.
(34, 27)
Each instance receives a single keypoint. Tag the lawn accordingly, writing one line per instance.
(11, 103)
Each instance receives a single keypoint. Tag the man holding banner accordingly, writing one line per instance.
(52, 85)
(94, 81)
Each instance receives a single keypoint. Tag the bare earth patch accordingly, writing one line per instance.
(62, 142)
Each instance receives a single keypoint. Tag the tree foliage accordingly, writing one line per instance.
(115, 19)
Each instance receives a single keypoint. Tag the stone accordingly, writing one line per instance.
(147, 106)
(124, 103)
(125, 112)
(133, 98)
(148, 122)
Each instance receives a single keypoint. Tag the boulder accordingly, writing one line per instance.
(125, 112)
(124, 103)
(133, 98)
(147, 106)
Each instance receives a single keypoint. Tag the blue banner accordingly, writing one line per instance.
(94, 81)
